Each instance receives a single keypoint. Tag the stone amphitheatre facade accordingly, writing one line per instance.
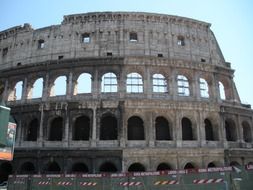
(121, 91)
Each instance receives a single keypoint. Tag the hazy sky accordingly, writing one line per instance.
(232, 23)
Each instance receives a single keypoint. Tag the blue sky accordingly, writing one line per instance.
(232, 23)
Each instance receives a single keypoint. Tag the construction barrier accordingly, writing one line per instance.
(221, 178)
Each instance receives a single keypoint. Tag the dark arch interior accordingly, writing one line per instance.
(211, 165)
(27, 168)
(209, 130)
(55, 133)
(246, 132)
(108, 167)
(53, 167)
(187, 129)
(162, 129)
(136, 167)
(32, 130)
(135, 128)
(189, 166)
(109, 128)
(163, 166)
(80, 168)
(230, 130)
(81, 130)
(5, 171)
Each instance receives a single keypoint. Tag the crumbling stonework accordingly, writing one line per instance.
(158, 94)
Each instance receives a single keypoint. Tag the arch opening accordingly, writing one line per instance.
(187, 133)
(81, 129)
(109, 128)
(136, 167)
(135, 128)
(230, 130)
(209, 130)
(32, 130)
(108, 167)
(163, 166)
(27, 168)
(162, 129)
(80, 168)
(56, 129)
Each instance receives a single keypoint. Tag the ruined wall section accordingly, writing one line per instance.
(109, 34)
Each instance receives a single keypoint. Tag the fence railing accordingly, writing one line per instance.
(220, 178)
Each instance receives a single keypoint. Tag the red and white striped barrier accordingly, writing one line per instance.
(203, 181)
(127, 184)
(64, 183)
(19, 182)
(171, 182)
(88, 183)
(44, 183)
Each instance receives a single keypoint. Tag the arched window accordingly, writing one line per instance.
(59, 87)
(27, 168)
(162, 129)
(81, 129)
(32, 130)
(55, 131)
(136, 167)
(203, 86)
(209, 130)
(134, 83)
(109, 83)
(222, 91)
(187, 133)
(53, 168)
(247, 136)
(37, 88)
(159, 83)
(18, 90)
(182, 86)
(79, 168)
(230, 128)
(189, 166)
(84, 83)
(5, 171)
(109, 128)
(108, 167)
(135, 128)
(163, 166)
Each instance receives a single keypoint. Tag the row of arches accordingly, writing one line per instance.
(110, 127)
(110, 84)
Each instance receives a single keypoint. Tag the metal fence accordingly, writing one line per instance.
(222, 178)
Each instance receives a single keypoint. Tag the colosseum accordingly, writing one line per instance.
(121, 91)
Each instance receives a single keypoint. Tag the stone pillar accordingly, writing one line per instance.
(148, 84)
(173, 86)
(40, 136)
(216, 89)
(178, 129)
(46, 89)
(239, 129)
(5, 93)
(24, 91)
(223, 130)
(69, 91)
(66, 129)
(94, 128)
(150, 130)
(195, 87)
(94, 88)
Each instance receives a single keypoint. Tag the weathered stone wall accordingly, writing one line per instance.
(62, 53)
